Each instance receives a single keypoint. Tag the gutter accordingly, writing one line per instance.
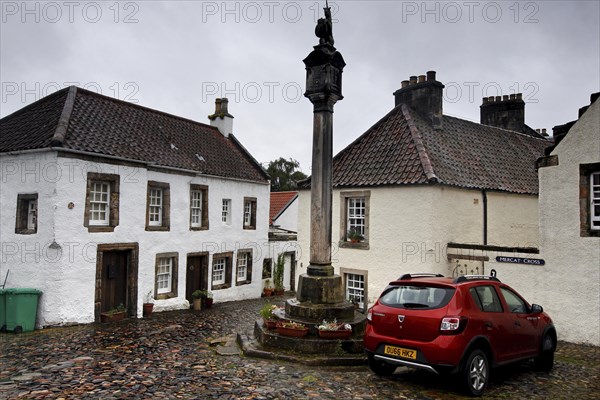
(485, 217)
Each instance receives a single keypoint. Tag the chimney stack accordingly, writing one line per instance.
(221, 119)
(507, 112)
(424, 95)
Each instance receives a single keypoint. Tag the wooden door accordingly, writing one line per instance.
(114, 279)
(196, 275)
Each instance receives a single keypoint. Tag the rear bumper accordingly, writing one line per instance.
(442, 354)
(405, 363)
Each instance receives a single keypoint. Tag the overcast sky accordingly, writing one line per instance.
(178, 56)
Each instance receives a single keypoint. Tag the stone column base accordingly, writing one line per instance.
(320, 289)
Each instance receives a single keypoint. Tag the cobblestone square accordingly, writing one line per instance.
(174, 355)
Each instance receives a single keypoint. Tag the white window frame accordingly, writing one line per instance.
(196, 208)
(226, 211)
(164, 275)
(219, 267)
(356, 214)
(595, 201)
(355, 286)
(155, 206)
(101, 205)
(242, 266)
(247, 213)
(32, 214)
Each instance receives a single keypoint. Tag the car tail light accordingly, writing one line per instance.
(453, 325)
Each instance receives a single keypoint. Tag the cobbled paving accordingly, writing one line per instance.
(173, 356)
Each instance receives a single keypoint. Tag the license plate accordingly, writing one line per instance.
(400, 352)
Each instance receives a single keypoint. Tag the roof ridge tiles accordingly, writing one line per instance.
(139, 106)
(420, 146)
(63, 123)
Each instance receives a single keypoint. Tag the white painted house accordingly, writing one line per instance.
(432, 193)
(105, 202)
(569, 283)
(283, 237)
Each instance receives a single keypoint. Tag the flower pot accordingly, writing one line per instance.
(279, 292)
(112, 317)
(339, 334)
(292, 332)
(148, 307)
(270, 323)
(207, 302)
(197, 304)
(268, 292)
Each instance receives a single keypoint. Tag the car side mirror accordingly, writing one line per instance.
(537, 309)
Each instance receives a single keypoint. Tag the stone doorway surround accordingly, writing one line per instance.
(132, 250)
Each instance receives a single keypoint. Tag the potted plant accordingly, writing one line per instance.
(291, 328)
(269, 318)
(207, 299)
(278, 275)
(115, 314)
(268, 289)
(197, 302)
(354, 235)
(148, 305)
(334, 330)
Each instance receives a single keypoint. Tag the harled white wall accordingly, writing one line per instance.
(569, 284)
(66, 271)
(410, 228)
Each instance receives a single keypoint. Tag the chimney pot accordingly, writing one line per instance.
(505, 97)
(498, 98)
(513, 97)
(224, 103)
(404, 84)
(519, 96)
(431, 75)
(538, 130)
(544, 132)
(421, 78)
(491, 99)
(413, 80)
(217, 106)
(485, 100)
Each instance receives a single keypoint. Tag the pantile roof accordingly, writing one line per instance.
(404, 149)
(74, 119)
(279, 202)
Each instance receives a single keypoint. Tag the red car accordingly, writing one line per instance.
(461, 325)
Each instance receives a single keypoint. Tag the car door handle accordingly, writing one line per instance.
(517, 323)
(489, 325)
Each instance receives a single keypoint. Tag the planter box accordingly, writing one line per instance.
(106, 317)
(292, 332)
(270, 323)
(339, 334)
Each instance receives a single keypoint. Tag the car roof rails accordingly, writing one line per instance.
(420, 275)
(466, 278)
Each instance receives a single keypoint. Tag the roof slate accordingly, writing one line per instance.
(110, 127)
(403, 149)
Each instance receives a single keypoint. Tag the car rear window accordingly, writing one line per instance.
(412, 296)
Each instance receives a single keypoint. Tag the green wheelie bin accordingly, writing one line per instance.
(21, 309)
(2, 310)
